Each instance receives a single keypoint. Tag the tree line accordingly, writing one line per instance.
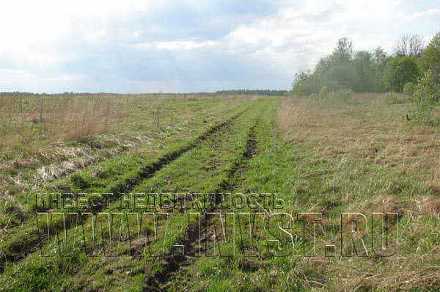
(411, 64)
(268, 92)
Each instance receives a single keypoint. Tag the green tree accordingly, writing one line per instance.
(340, 76)
(430, 60)
(305, 84)
(364, 66)
(399, 71)
(336, 71)
(380, 59)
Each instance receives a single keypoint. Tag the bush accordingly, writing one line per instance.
(409, 88)
(426, 96)
(426, 91)
(399, 71)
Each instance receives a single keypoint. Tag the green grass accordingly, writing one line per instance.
(115, 177)
(29, 167)
(220, 149)
(308, 173)
(331, 186)
(272, 170)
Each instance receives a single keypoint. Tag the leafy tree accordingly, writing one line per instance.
(336, 71)
(380, 59)
(373, 71)
(364, 66)
(344, 69)
(430, 59)
(426, 95)
(399, 71)
(304, 84)
(339, 76)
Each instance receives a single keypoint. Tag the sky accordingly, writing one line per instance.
(133, 46)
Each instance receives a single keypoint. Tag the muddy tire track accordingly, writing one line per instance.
(200, 231)
(17, 250)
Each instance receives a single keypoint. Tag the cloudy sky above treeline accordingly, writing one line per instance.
(189, 45)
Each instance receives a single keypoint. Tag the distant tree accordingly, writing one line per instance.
(399, 71)
(304, 84)
(340, 76)
(267, 92)
(365, 71)
(336, 71)
(380, 59)
(430, 59)
(372, 71)
(343, 51)
(410, 45)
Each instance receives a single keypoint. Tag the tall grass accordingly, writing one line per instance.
(27, 120)
(327, 95)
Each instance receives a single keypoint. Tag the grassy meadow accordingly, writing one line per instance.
(317, 157)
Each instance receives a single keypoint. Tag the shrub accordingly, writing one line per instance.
(426, 90)
(426, 95)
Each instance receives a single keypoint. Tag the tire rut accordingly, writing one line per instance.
(21, 251)
(198, 230)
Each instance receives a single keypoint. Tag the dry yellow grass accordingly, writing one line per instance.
(27, 119)
(368, 130)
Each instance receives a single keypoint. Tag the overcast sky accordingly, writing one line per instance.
(189, 45)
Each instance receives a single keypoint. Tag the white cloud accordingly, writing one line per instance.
(23, 80)
(298, 35)
(177, 45)
(62, 43)
(37, 32)
(434, 12)
(26, 22)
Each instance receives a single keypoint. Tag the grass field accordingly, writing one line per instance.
(252, 193)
